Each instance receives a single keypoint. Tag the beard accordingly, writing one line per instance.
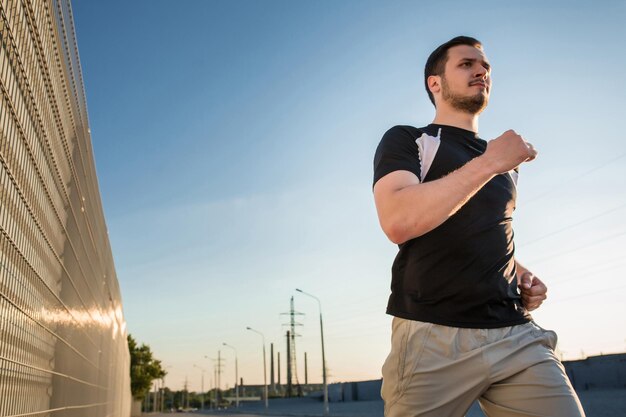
(467, 104)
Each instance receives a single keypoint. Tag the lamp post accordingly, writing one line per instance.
(319, 303)
(237, 373)
(264, 366)
(202, 387)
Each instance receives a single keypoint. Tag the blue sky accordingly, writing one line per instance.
(234, 144)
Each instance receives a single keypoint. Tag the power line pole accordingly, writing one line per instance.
(288, 365)
(306, 371)
(278, 360)
(202, 371)
(272, 383)
(217, 369)
(292, 369)
(219, 377)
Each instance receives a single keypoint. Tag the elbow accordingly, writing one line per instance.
(399, 231)
(398, 240)
(395, 232)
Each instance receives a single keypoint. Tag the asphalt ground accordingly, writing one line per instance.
(597, 403)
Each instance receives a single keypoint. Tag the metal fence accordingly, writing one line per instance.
(63, 349)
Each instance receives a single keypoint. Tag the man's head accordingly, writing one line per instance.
(458, 73)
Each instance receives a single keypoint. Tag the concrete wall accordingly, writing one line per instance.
(355, 391)
(596, 372)
(349, 391)
(369, 390)
(335, 392)
(607, 371)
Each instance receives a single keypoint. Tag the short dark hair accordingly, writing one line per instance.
(436, 63)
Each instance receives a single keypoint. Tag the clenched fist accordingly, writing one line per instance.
(532, 290)
(507, 152)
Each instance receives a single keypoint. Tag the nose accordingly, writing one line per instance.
(481, 72)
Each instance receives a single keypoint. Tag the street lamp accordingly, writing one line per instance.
(264, 366)
(237, 373)
(202, 388)
(319, 303)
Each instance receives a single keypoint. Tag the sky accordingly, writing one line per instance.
(234, 144)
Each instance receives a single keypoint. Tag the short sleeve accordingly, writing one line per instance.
(397, 151)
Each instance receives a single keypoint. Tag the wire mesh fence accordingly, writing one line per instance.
(63, 349)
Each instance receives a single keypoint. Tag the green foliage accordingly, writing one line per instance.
(143, 369)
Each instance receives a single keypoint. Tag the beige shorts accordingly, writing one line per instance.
(440, 371)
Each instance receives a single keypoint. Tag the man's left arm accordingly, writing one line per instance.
(532, 289)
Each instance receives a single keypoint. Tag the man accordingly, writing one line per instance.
(461, 329)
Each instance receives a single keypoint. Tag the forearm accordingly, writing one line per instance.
(520, 269)
(416, 209)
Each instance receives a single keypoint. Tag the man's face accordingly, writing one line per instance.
(466, 82)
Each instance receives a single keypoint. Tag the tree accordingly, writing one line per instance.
(143, 369)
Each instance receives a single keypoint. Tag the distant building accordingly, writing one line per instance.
(62, 331)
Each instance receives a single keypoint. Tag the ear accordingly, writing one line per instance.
(434, 83)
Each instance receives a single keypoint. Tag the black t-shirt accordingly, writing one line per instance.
(462, 273)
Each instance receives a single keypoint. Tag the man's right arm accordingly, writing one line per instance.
(408, 209)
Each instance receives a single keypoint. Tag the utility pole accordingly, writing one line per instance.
(272, 384)
(202, 371)
(215, 385)
(306, 371)
(288, 365)
(219, 377)
(217, 370)
(278, 353)
(292, 369)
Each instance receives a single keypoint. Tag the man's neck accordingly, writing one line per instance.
(452, 117)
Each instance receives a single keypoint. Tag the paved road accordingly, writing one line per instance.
(599, 403)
